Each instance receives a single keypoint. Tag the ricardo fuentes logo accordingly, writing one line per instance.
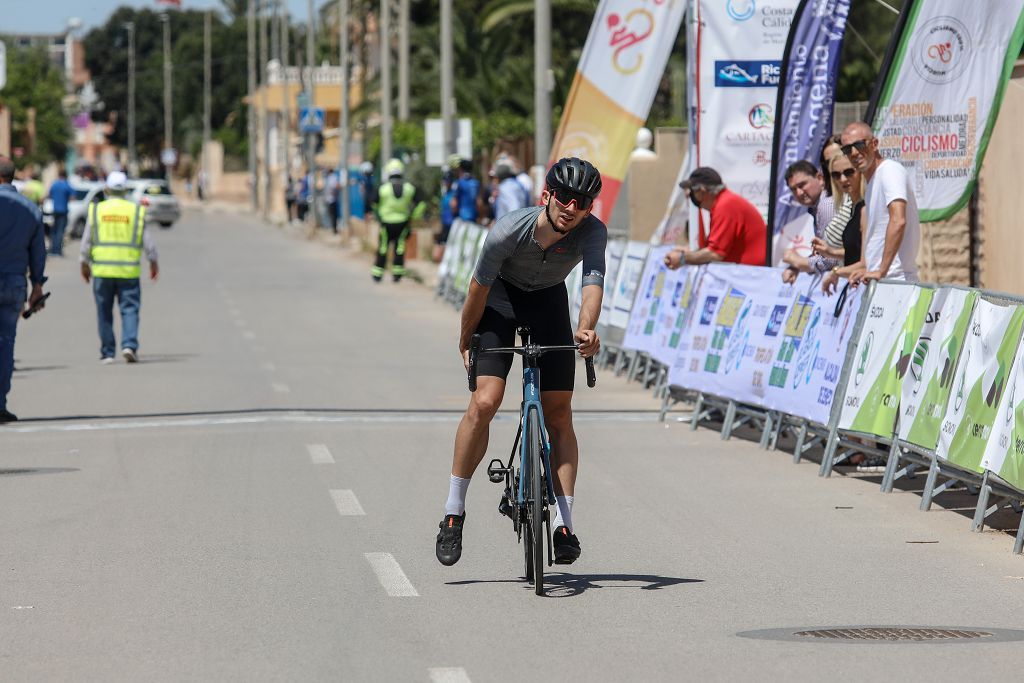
(942, 50)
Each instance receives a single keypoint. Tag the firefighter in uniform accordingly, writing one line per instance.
(112, 246)
(396, 203)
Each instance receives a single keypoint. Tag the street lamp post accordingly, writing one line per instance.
(343, 132)
(251, 109)
(133, 166)
(314, 204)
(385, 82)
(542, 81)
(168, 139)
(447, 87)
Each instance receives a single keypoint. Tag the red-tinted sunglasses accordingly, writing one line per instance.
(566, 197)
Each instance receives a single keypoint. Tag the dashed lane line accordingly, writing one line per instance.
(319, 454)
(347, 503)
(390, 575)
(280, 388)
(448, 674)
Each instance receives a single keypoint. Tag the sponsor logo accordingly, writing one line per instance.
(761, 158)
(740, 10)
(626, 33)
(761, 116)
(862, 365)
(708, 314)
(775, 321)
(747, 74)
(807, 355)
(941, 50)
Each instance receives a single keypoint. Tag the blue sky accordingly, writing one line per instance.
(32, 18)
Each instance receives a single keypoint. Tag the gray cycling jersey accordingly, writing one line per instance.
(511, 252)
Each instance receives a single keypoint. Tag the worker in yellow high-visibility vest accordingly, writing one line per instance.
(115, 237)
(396, 203)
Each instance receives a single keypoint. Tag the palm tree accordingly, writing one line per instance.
(498, 12)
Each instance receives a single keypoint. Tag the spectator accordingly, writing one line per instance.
(832, 237)
(60, 194)
(447, 217)
(511, 195)
(302, 198)
(466, 190)
(21, 250)
(524, 179)
(485, 200)
(893, 232)
(808, 188)
(849, 186)
(738, 233)
(33, 188)
(332, 190)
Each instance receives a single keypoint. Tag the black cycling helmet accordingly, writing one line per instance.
(574, 178)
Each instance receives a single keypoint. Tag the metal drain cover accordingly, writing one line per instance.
(888, 634)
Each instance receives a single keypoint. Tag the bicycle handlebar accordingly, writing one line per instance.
(527, 350)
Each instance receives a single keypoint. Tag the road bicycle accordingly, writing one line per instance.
(529, 490)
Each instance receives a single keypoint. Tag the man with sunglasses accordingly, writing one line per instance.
(893, 232)
(738, 231)
(520, 280)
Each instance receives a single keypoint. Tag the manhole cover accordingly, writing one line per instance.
(892, 633)
(888, 634)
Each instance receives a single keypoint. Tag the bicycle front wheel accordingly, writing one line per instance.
(535, 509)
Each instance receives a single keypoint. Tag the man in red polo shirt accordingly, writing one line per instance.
(738, 233)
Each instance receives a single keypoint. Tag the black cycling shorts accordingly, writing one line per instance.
(546, 313)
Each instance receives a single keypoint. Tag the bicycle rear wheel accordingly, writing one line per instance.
(535, 508)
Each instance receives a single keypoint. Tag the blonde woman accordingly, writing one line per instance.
(849, 183)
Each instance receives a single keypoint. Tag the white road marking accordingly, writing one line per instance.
(390, 575)
(249, 334)
(346, 502)
(319, 454)
(298, 417)
(448, 674)
(280, 388)
(269, 367)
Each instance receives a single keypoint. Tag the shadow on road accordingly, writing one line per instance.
(562, 585)
(14, 471)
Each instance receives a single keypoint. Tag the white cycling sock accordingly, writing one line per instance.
(563, 513)
(457, 488)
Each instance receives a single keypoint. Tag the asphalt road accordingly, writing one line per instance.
(257, 499)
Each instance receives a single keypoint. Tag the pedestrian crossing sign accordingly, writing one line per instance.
(311, 120)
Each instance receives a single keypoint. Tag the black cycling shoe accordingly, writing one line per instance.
(567, 546)
(449, 539)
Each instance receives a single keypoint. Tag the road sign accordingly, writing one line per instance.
(434, 130)
(302, 100)
(168, 156)
(311, 120)
(3, 65)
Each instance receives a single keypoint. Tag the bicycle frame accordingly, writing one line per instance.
(531, 401)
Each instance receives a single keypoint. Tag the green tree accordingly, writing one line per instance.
(33, 82)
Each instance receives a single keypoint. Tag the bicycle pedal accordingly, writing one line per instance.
(496, 471)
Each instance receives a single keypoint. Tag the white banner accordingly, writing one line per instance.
(739, 61)
(982, 374)
(924, 395)
(612, 263)
(644, 319)
(938, 106)
(626, 282)
(1004, 452)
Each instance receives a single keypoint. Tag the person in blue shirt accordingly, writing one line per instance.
(21, 250)
(60, 194)
(467, 189)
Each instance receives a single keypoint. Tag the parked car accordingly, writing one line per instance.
(161, 206)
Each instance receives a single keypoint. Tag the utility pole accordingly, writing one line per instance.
(403, 60)
(133, 166)
(206, 102)
(447, 80)
(168, 133)
(343, 132)
(310, 138)
(286, 129)
(385, 82)
(264, 122)
(251, 111)
(542, 82)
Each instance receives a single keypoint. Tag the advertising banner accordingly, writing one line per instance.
(452, 252)
(806, 99)
(941, 95)
(574, 286)
(675, 312)
(1004, 452)
(884, 351)
(926, 391)
(687, 368)
(616, 79)
(471, 245)
(653, 298)
(739, 63)
(982, 375)
(626, 282)
(612, 262)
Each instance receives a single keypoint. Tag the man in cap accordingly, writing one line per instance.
(21, 251)
(738, 231)
(396, 204)
(115, 237)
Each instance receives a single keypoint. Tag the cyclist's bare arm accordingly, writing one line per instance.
(590, 311)
(472, 311)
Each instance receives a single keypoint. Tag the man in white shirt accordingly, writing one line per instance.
(892, 231)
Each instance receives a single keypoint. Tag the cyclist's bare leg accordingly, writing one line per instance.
(474, 429)
(565, 452)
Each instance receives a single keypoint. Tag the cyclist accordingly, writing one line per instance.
(520, 280)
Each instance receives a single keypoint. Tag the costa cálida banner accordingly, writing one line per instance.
(803, 121)
(617, 77)
(982, 375)
(941, 91)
